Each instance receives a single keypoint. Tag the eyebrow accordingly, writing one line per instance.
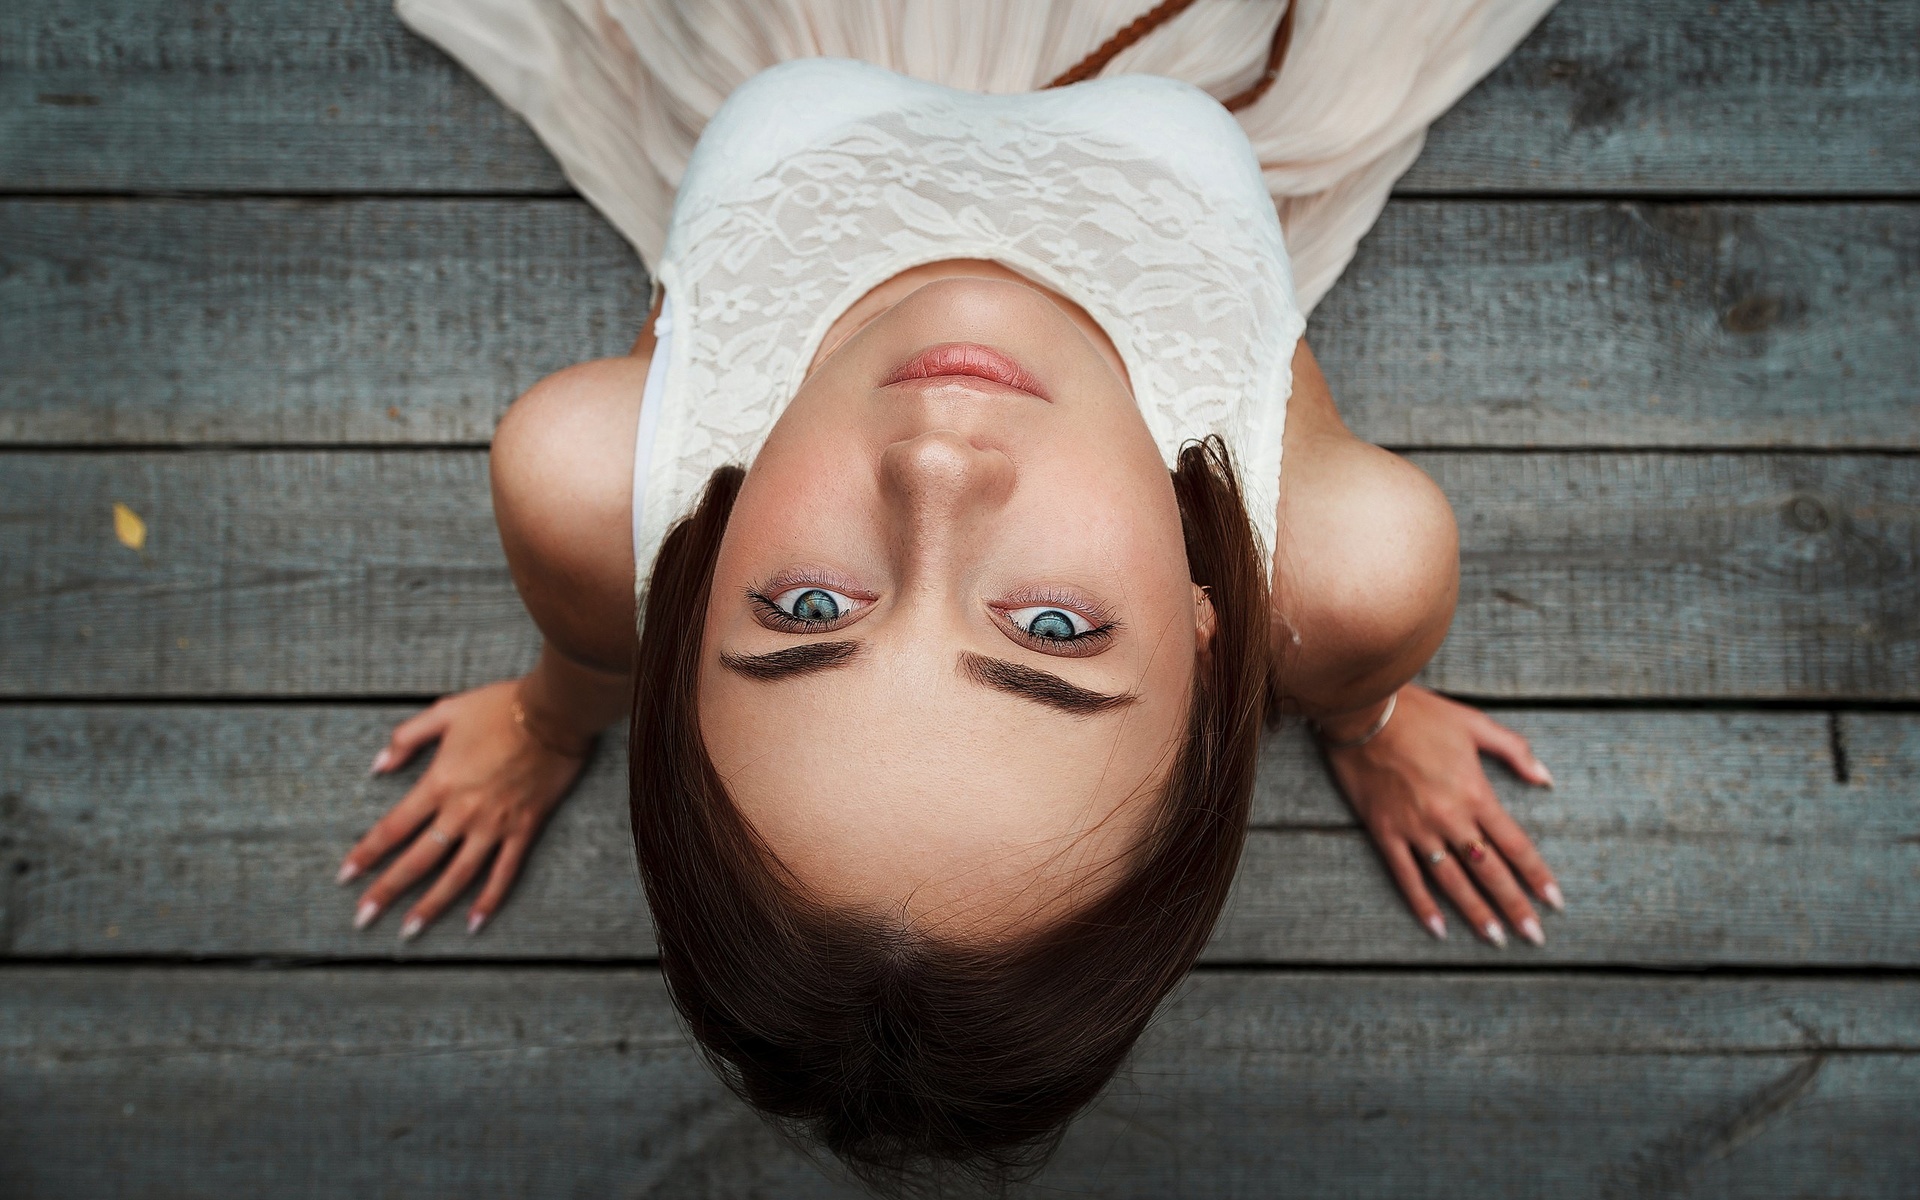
(1039, 686)
(793, 661)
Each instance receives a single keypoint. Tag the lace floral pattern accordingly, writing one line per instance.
(1137, 197)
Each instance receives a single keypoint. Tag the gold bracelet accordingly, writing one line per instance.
(1386, 715)
(519, 712)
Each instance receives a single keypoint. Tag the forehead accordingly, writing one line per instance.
(895, 782)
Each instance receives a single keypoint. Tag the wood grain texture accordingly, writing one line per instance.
(1681, 838)
(1661, 95)
(1629, 324)
(370, 573)
(1459, 324)
(1660, 575)
(205, 95)
(298, 321)
(1669, 96)
(134, 1083)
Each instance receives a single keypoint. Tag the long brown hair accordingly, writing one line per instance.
(908, 1056)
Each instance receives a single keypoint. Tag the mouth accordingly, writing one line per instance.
(967, 360)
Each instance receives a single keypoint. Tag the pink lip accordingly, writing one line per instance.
(967, 360)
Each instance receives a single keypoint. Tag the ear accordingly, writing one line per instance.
(1204, 621)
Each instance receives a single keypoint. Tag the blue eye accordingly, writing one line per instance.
(1050, 624)
(814, 605)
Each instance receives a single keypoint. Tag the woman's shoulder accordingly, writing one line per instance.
(562, 468)
(1367, 558)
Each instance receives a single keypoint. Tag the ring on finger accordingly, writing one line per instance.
(1474, 852)
(439, 837)
(1436, 857)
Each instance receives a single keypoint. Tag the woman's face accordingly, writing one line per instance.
(951, 637)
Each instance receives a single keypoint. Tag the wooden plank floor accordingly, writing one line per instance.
(1648, 308)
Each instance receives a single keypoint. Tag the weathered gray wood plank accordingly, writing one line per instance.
(1460, 323)
(1680, 837)
(143, 95)
(578, 1083)
(262, 575)
(1671, 96)
(367, 573)
(298, 321)
(1662, 95)
(1656, 575)
(1573, 324)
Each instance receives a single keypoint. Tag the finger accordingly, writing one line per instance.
(402, 821)
(506, 867)
(1413, 885)
(466, 863)
(1453, 880)
(1518, 849)
(1490, 871)
(419, 858)
(1509, 747)
(408, 736)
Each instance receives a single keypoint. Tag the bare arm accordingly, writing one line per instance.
(563, 497)
(1366, 575)
(1367, 566)
(562, 493)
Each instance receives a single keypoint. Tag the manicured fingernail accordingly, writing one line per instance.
(1545, 775)
(1495, 934)
(1551, 893)
(381, 762)
(1530, 930)
(364, 915)
(1437, 926)
(410, 928)
(475, 920)
(349, 871)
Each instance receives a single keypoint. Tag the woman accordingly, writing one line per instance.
(945, 482)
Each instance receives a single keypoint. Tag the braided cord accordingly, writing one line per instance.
(1159, 15)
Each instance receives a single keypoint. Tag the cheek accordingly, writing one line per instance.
(1125, 525)
(805, 504)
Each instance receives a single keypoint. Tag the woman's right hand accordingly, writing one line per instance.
(489, 788)
(1421, 789)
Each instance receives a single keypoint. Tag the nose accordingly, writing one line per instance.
(939, 487)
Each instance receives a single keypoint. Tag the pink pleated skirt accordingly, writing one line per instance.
(619, 90)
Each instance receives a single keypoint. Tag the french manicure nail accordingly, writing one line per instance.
(1530, 930)
(349, 871)
(475, 920)
(410, 928)
(381, 762)
(1552, 894)
(364, 915)
(1544, 773)
(1495, 934)
(1437, 926)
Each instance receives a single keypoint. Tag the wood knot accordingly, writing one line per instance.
(1751, 314)
(1808, 514)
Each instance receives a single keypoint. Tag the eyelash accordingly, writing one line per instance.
(772, 615)
(780, 618)
(1084, 643)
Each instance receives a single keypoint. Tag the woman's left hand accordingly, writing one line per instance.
(1420, 789)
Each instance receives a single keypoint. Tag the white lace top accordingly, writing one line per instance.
(1137, 197)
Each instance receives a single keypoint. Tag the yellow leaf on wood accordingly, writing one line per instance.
(128, 527)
